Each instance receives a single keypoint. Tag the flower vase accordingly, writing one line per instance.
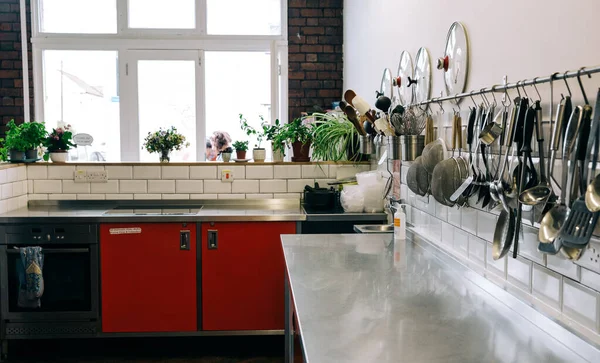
(59, 156)
(164, 156)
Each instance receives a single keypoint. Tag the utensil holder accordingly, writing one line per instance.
(412, 146)
(394, 148)
(380, 145)
(366, 144)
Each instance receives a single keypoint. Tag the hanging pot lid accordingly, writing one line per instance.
(455, 63)
(405, 79)
(422, 76)
(386, 88)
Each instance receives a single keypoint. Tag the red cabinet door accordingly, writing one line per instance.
(242, 278)
(148, 278)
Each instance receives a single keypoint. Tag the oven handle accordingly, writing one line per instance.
(55, 250)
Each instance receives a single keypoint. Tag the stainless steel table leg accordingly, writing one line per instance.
(289, 324)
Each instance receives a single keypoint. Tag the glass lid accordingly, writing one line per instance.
(422, 75)
(455, 62)
(404, 78)
(386, 83)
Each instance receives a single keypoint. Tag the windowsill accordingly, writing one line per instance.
(196, 163)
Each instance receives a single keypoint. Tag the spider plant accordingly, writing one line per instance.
(334, 138)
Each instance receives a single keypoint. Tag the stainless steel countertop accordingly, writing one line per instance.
(212, 211)
(359, 300)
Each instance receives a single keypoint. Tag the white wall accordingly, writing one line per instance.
(518, 38)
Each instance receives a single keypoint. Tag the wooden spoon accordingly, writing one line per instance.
(352, 116)
(349, 96)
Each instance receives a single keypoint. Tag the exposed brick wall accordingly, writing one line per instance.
(315, 38)
(11, 76)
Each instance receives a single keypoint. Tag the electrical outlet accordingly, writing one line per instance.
(96, 176)
(227, 176)
(591, 257)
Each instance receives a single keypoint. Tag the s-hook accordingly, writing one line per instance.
(536, 89)
(567, 83)
(581, 86)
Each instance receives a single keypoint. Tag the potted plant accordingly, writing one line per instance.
(271, 132)
(226, 154)
(14, 145)
(240, 149)
(259, 153)
(334, 138)
(58, 143)
(33, 134)
(298, 134)
(163, 142)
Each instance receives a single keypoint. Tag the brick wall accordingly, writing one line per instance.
(11, 77)
(315, 38)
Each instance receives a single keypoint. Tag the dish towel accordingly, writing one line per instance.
(31, 279)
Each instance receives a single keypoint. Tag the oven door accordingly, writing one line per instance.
(70, 284)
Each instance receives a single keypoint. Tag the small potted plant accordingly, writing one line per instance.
(226, 154)
(33, 134)
(271, 132)
(259, 153)
(240, 149)
(58, 143)
(163, 142)
(298, 133)
(14, 145)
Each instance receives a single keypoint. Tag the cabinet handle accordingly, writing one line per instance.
(184, 240)
(212, 239)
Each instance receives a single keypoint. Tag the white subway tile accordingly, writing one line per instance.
(528, 245)
(441, 211)
(12, 175)
(90, 167)
(119, 172)
(38, 196)
(26, 184)
(477, 248)
(69, 186)
(287, 196)
(203, 196)
(546, 286)
(231, 196)
(12, 204)
(315, 171)
(297, 185)
(29, 186)
(91, 197)
(146, 172)
(590, 279)
(216, 187)
(119, 196)
(519, 272)
(17, 188)
(111, 186)
(273, 186)
(259, 196)
(189, 186)
(176, 172)
(133, 186)
(22, 173)
(239, 172)
(47, 186)
(3, 206)
(454, 216)
(435, 229)
(333, 171)
(287, 171)
(161, 186)
(175, 196)
(62, 197)
(37, 172)
(343, 171)
(469, 220)
(564, 267)
(461, 242)
(259, 172)
(22, 201)
(2, 176)
(447, 234)
(497, 267)
(147, 196)
(203, 172)
(580, 303)
(486, 223)
(61, 172)
(245, 186)
(404, 196)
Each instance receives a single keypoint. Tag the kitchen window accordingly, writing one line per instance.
(117, 69)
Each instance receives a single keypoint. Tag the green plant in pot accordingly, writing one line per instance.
(34, 134)
(240, 149)
(14, 145)
(334, 138)
(58, 143)
(265, 132)
(163, 142)
(271, 132)
(298, 134)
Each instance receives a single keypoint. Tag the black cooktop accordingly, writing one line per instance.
(335, 210)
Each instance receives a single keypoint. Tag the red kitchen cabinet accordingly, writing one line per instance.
(242, 275)
(148, 277)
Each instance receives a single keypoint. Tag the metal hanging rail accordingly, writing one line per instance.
(503, 88)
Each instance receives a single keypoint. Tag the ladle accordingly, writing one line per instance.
(553, 220)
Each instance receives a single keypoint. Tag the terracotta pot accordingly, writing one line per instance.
(259, 155)
(240, 154)
(301, 151)
(59, 156)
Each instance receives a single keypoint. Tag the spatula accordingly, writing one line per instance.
(580, 223)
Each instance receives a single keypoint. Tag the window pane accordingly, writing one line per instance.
(78, 16)
(243, 17)
(224, 70)
(167, 97)
(80, 89)
(160, 14)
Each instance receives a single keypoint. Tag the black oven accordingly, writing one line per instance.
(69, 303)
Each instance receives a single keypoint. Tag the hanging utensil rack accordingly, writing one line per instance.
(584, 71)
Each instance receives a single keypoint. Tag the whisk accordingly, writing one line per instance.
(409, 123)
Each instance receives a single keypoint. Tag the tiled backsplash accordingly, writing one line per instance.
(250, 181)
(568, 291)
(13, 188)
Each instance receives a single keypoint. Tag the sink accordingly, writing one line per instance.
(374, 228)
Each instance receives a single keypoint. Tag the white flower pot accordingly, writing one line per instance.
(59, 157)
(278, 156)
(226, 157)
(259, 155)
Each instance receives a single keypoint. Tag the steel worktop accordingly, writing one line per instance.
(363, 298)
(209, 211)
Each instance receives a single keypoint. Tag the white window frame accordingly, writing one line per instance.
(128, 40)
